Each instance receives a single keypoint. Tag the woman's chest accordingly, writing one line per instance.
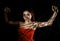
(28, 26)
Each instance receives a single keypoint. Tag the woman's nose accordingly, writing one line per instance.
(26, 16)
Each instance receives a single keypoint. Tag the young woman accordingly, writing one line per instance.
(27, 28)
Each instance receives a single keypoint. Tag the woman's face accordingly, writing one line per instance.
(27, 15)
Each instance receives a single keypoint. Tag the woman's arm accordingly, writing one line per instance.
(50, 21)
(6, 11)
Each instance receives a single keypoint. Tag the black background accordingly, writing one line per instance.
(42, 10)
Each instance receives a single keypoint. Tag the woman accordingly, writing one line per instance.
(27, 28)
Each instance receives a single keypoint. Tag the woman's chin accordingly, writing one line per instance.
(27, 19)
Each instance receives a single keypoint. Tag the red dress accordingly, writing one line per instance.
(25, 34)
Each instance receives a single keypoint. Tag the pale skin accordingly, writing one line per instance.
(28, 24)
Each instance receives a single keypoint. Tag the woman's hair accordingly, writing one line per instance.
(32, 13)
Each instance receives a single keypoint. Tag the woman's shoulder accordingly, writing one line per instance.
(35, 21)
(21, 22)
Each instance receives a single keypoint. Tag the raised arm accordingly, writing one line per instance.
(50, 21)
(6, 11)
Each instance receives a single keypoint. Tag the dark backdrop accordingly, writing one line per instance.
(42, 10)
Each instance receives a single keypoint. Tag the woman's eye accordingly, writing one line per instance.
(28, 14)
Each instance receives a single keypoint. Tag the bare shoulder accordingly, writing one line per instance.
(35, 22)
(21, 22)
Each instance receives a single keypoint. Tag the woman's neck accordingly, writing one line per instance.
(26, 22)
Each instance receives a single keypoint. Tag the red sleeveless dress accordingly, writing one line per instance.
(25, 34)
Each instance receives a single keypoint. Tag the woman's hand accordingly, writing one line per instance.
(50, 21)
(7, 10)
(54, 8)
